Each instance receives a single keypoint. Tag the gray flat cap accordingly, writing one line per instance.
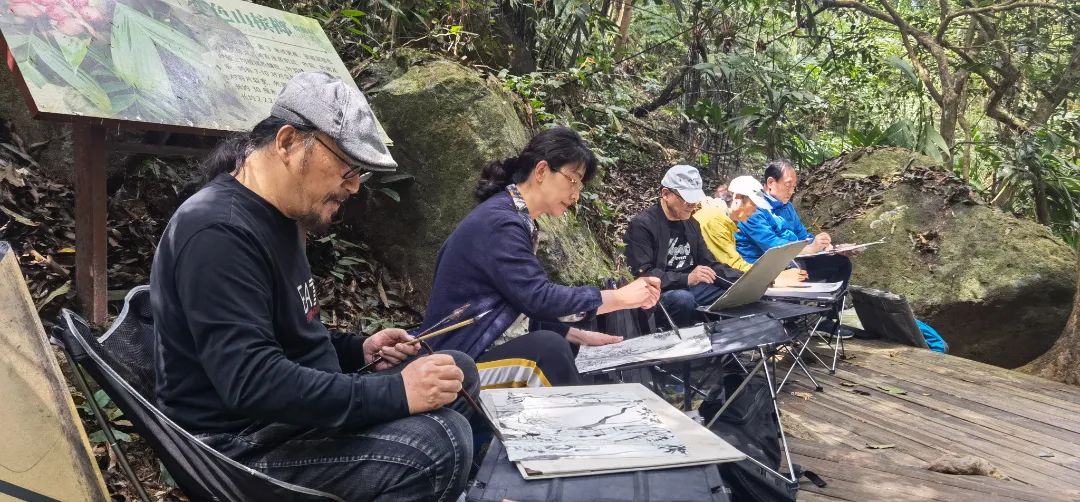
(339, 110)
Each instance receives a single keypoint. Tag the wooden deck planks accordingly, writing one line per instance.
(1027, 427)
(863, 469)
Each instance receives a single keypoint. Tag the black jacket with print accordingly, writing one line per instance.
(646, 250)
(239, 338)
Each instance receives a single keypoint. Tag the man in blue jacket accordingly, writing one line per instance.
(779, 224)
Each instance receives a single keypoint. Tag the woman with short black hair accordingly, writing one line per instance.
(489, 262)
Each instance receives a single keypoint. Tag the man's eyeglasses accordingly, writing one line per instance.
(576, 184)
(352, 170)
(694, 207)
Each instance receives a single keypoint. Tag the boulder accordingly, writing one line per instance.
(998, 288)
(447, 123)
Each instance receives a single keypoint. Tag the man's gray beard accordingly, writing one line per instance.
(313, 224)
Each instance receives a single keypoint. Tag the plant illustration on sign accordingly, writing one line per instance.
(142, 60)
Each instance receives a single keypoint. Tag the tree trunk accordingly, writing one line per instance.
(950, 105)
(969, 144)
(1062, 361)
(624, 25)
(1038, 188)
(671, 91)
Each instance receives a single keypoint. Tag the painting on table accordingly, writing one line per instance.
(654, 347)
(590, 429)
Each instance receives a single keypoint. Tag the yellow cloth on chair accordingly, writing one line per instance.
(504, 373)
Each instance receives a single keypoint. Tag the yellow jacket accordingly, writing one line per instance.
(718, 230)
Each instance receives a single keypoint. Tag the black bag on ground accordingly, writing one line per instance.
(628, 323)
(498, 479)
(750, 425)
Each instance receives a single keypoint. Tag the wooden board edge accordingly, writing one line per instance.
(8, 259)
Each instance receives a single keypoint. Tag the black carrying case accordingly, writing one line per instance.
(499, 479)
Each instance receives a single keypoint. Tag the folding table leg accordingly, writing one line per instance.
(738, 390)
(779, 423)
(688, 388)
(761, 366)
(798, 361)
(838, 349)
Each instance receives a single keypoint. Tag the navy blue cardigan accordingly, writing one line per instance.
(488, 261)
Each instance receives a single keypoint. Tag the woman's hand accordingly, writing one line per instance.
(583, 337)
(791, 276)
(644, 292)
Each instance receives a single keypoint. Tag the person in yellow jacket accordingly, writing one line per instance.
(718, 225)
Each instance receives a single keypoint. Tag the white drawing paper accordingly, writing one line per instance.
(805, 287)
(841, 248)
(596, 429)
(657, 346)
(596, 424)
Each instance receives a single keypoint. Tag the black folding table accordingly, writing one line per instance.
(498, 480)
(756, 327)
(834, 304)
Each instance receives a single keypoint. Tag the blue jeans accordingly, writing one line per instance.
(682, 304)
(420, 457)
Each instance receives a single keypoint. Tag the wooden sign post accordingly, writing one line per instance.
(189, 66)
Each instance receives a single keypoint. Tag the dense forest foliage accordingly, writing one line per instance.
(986, 86)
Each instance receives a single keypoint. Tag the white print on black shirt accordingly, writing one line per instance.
(308, 299)
(678, 256)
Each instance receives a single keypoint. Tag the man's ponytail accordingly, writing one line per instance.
(231, 153)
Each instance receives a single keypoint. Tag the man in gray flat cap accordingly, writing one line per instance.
(243, 360)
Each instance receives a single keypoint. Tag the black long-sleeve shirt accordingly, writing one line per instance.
(647, 250)
(238, 328)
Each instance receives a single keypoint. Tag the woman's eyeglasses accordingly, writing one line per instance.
(576, 184)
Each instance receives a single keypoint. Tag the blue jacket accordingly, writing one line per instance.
(768, 228)
(488, 262)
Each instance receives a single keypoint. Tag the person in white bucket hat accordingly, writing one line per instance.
(718, 227)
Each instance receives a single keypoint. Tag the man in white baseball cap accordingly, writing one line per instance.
(664, 241)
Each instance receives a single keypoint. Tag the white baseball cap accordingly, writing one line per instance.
(750, 187)
(686, 181)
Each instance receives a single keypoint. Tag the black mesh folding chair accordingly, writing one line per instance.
(121, 362)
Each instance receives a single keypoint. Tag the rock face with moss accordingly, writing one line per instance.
(999, 289)
(447, 123)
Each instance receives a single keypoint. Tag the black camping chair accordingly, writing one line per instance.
(122, 363)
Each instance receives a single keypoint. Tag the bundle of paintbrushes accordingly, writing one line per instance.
(434, 331)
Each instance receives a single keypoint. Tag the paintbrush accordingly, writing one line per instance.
(670, 322)
(427, 336)
(453, 315)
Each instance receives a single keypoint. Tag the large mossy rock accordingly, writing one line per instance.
(999, 289)
(447, 123)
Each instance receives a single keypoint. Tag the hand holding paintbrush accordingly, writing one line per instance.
(409, 347)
